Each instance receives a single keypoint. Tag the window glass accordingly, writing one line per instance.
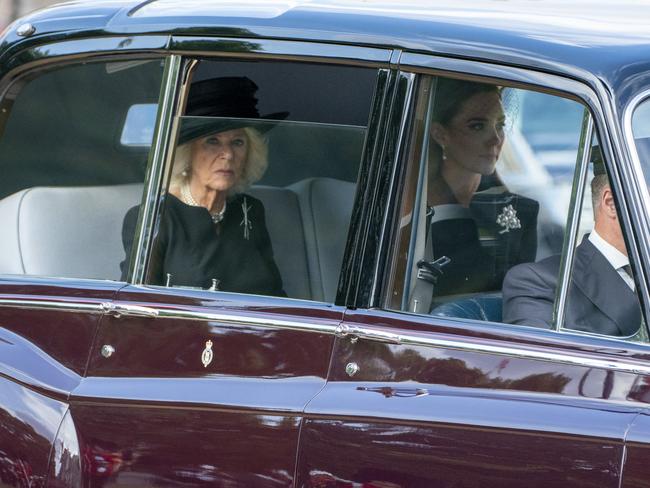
(68, 180)
(601, 296)
(139, 124)
(263, 179)
(641, 131)
(486, 207)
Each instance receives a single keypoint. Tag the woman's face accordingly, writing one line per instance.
(474, 136)
(218, 159)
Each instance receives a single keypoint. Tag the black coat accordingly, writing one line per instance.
(599, 300)
(482, 249)
(194, 250)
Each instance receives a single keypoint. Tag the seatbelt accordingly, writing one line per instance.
(427, 270)
(418, 301)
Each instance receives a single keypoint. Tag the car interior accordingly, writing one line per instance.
(73, 176)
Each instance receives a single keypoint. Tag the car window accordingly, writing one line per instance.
(262, 179)
(487, 221)
(68, 176)
(641, 132)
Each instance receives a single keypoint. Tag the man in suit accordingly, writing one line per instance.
(601, 297)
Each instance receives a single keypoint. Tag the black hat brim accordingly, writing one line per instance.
(194, 127)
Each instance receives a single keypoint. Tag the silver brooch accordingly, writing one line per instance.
(206, 357)
(508, 219)
(245, 222)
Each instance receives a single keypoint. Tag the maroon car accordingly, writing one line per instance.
(362, 311)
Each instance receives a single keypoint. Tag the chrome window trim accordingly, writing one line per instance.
(628, 134)
(266, 49)
(431, 86)
(640, 196)
(581, 89)
(373, 151)
(575, 210)
(158, 155)
(60, 53)
(343, 331)
(384, 247)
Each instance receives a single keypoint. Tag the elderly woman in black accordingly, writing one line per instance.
(212, 234)
(476, 222)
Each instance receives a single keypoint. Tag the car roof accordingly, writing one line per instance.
(609, 40)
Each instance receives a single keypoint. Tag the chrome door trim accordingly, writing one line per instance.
(62, 305)
(127, 309)
(356, 332)
(340, 330)
(164, 313)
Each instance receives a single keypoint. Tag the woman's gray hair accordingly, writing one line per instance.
(254, 167)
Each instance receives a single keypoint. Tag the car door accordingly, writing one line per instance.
(67, 171)
(445, 393)
(635, 121)
(206, 386)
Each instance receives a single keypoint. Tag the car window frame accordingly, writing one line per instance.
(640, 193)
(587, 92)
(27, 65)
(188, 50)
(50, 52)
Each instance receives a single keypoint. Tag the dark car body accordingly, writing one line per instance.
(102, 381)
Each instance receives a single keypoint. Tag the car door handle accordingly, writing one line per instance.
(119, 309)
(389, 392)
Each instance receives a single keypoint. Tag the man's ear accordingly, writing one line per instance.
(439, 133)
(607, 202)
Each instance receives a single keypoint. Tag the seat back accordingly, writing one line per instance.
(76, 232)
(326, 209)
(308, 224)
(73, 232)
(487, 307)
(285, 226)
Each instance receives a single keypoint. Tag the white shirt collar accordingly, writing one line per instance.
(615, 257)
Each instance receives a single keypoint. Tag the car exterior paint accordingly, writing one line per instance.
(303, 393)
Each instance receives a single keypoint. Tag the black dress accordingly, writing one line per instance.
(498, 231)
(193, 250)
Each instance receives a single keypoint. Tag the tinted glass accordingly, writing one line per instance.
(487, 208)
(641, 131)
(263, 179)
(68, 178)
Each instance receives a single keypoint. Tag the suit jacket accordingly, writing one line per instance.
(599, 301)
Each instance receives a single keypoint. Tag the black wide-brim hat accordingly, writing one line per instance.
(220, 104)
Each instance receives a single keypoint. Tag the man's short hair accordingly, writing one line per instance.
(598, 185)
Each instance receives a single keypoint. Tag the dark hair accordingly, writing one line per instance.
(598, 185)
(450, 94)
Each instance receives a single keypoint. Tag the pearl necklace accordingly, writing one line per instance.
(186, 196)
